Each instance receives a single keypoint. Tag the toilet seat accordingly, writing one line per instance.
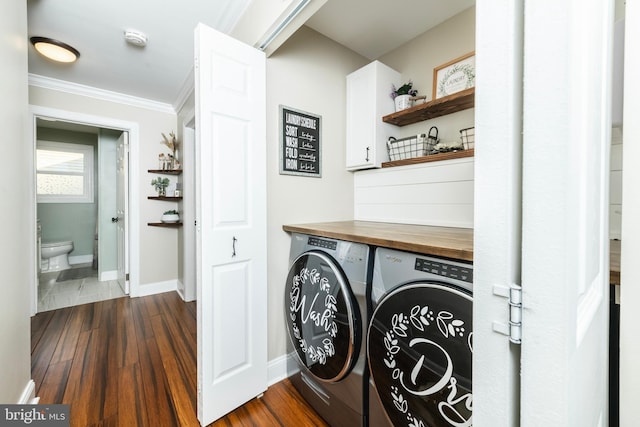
(54, 244)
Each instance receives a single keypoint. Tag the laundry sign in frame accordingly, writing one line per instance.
(300, 143)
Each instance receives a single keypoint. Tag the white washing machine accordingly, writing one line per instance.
(325, 313)
(419, 342)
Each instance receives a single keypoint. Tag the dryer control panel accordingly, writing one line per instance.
(444, 269)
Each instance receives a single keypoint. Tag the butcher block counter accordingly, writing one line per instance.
(449, 242)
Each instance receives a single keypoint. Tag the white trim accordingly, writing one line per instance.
(134, 184)
(277, 369)
(109, 275)
(187, 88)
(28, 394)
(155, 288)
(96, 93)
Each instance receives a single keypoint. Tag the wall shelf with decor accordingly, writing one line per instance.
(431, 158)
(166, 171)
(166, 198)
(459, 101)
(165, 224)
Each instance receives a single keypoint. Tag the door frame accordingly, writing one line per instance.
(134, 178)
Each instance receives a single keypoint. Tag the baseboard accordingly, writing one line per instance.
(109, 275)
(156, 288)
(28, 395)
(80, 259)
(277, 368)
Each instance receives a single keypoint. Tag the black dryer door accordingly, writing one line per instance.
(322, 316)
(419, 350)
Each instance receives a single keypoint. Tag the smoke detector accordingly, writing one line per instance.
(135, 37)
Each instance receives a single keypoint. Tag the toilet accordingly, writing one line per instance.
(55, 255)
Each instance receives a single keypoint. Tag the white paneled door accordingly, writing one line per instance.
(565, 244)
(541, 212)
(122, 210)
(231, 223)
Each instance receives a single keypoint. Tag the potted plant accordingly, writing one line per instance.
(170, 216)
(161, 185)
(402, 95)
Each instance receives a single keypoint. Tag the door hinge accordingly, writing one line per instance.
(126, 277)
(514, 329)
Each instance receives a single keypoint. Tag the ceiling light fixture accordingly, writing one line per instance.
(54, 49)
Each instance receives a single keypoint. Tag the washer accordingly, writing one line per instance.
(419, 342)
(325, 306)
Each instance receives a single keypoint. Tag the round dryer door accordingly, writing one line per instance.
(322, 316)
(419, 348)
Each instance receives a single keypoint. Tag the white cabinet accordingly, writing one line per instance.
(368, 99)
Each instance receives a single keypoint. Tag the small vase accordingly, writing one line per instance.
(403, 102)
(162, 192)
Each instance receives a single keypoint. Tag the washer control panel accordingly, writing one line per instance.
(444, 269)
(322, 243)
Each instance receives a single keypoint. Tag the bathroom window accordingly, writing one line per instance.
(64, 172)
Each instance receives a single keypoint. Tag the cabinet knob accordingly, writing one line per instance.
(116, 219)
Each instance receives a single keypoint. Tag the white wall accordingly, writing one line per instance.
(416, 60)
(158, 246)
(439, 193)
(15, 253)
(307, 73)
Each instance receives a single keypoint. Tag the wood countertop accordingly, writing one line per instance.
(449, 242)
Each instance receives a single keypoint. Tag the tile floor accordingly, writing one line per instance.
(53, 295)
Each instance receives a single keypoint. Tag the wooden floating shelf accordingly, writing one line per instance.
(431, 158)
(167, 198)
(462, 100)
(166, 171)
(165, 224)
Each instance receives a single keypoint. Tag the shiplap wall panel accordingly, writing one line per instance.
(615, 185)
(438, 193)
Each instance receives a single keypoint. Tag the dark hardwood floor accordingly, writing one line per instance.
(132, 362)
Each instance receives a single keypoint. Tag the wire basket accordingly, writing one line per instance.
(408, 148)
(468, 137)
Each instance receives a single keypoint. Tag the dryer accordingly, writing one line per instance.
(325, 306)
(420, 341)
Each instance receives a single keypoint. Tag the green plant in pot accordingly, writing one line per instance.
(160, 184)
(171, 216)
(402, 96)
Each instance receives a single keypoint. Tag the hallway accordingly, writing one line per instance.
(132, 362)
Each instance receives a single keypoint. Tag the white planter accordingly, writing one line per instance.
(170, 218)
(403, 102)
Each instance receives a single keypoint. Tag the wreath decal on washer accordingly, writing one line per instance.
(326, 318)
(407, 330)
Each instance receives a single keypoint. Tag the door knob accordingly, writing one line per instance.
(114, 219)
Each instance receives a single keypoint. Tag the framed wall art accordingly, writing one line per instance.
(454, 76)
(300, 139)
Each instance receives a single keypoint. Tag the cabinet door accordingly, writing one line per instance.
(367, 101)
(360, 120)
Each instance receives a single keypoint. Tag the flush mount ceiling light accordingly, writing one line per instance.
(54, 49)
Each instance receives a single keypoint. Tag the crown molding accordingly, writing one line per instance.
(188, 87)
(96, 93)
